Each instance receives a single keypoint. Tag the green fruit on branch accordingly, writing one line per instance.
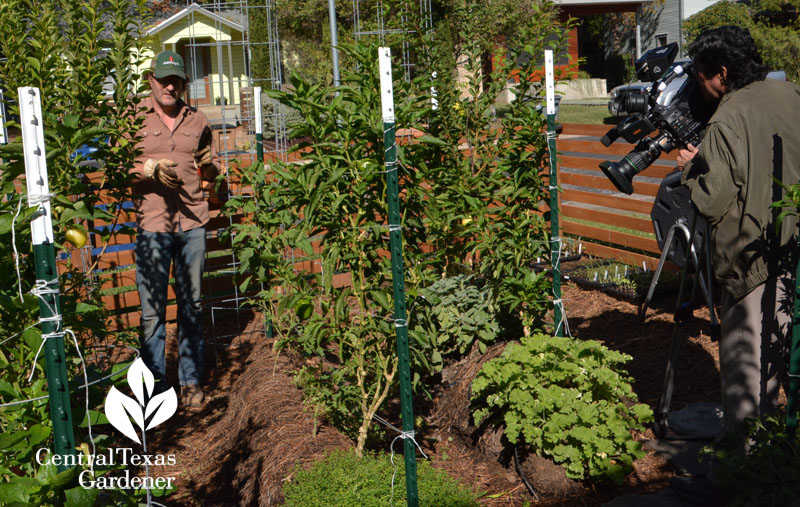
(304, 308)
(76, 236)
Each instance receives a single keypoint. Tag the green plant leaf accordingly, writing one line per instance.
(86, 308)
(38, 434)
(80, 496)
(97, 418)
(432, 140)
(32, 338)
(19, 489)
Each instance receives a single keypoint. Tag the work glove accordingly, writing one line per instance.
(202, 158)
(162, 172)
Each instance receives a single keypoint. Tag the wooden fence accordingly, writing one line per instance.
(114, 268)
(606, 223)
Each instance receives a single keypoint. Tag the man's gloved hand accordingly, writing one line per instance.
(161, 171)
(202, 158)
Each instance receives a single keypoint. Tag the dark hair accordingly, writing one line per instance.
(733, 48)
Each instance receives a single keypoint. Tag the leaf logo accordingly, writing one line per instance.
(120, 409)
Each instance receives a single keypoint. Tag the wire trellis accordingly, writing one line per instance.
(381, 27)
(221, 40)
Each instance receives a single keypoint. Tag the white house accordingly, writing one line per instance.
(213, 50)
(665, 25)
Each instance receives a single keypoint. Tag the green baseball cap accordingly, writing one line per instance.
(168, 63)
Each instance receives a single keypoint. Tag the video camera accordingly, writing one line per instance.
(674, 107)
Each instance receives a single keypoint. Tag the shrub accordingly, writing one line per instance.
(346, 480)
(70, 51)
(764, 473)
(567, 400)
(780, 48)
(338, 198)
(719, 14)
(478, 209)
(779, 45)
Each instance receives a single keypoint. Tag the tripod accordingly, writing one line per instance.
(680, 231)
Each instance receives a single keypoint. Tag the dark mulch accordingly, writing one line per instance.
(253, 430)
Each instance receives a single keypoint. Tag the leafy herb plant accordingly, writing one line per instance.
(458, 312)
(566, 399)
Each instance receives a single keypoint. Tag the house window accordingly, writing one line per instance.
(661, 40)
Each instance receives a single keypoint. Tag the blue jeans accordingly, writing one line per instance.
(155, 251)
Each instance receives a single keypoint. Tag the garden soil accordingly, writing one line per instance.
(253, 431)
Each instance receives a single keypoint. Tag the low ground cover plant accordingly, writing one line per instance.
(567, 400)
(344, 480)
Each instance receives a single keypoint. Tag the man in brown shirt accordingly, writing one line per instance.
(177, 155)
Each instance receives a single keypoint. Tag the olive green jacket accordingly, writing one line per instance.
(753, 136)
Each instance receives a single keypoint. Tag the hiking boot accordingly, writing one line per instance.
(698, 490)
(191, 395)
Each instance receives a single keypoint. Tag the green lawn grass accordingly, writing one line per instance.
(616, 228)
(586, 115)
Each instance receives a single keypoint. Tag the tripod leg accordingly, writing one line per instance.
(661, 261)
(706, 278)
(665, 402)
(681, 309)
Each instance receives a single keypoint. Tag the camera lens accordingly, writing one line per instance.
(635, 103)
(621, 173)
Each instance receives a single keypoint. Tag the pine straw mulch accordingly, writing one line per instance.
(253, 430)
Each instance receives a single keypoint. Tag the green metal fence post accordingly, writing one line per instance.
(46, 271)
(555, 239)
(398, 281)
(794, 360)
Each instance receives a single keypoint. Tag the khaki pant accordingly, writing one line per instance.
(755, 330)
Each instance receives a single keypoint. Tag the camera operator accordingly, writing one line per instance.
(751, 141)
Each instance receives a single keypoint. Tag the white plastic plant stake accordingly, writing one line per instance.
(387, 89)
(259, 115)
(30, 106)
(549, 86)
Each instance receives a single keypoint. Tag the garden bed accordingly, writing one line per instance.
(253, 430)
(619, 280)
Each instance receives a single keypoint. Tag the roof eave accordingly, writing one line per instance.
(185, 12)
